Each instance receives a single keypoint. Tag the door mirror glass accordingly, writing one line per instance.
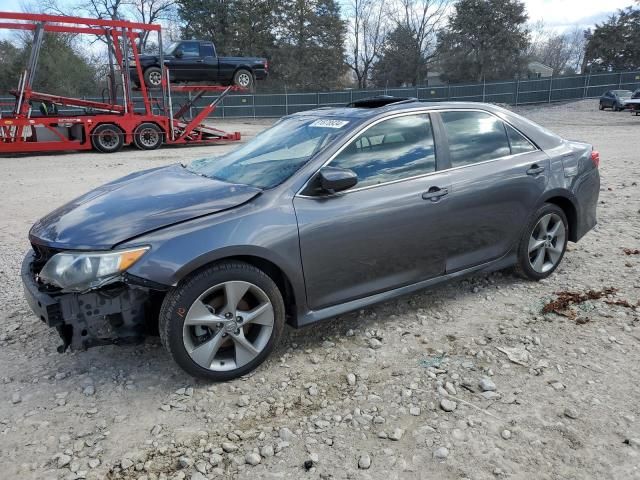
(334, 179)
(178, 53)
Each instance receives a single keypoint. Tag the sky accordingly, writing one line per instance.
(557, 14)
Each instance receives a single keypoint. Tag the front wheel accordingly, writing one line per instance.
(222, 322)
(153, 77)
(601, 106)
(543, 243)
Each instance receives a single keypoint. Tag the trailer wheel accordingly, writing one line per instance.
(107, 138)
(153, 77)
(147, 136)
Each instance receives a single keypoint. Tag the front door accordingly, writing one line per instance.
(384, 233)
(497, 177)
(187, 65)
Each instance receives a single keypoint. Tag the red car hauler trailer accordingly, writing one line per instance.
(108, 125)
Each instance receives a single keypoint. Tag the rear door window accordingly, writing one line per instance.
(474, 137)
(393, 149)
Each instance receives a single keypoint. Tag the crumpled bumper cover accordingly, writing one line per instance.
(112, 314)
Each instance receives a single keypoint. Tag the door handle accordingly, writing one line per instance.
(435, 193)
(535, 170)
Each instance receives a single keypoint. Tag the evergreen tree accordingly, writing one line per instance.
(401, 62)
(485, 40)
(57, 58)
(615, 45)
(310, 49)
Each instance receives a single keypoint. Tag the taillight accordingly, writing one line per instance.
(595, 158)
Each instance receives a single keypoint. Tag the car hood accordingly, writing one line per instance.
(134, 205)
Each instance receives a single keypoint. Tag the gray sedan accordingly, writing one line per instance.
(328, 211)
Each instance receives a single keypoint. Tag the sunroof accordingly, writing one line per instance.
(380, 101)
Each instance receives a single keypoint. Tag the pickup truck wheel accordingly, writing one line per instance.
(153, 77)
(222, 322)
(107, 138)
(244, 78)
(147, 136)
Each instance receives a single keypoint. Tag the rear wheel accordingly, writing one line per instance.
(107, 138)
(153, 77)
(222, 322)
(601, 106)
(543, 243)
(147, 136)
(244, 78)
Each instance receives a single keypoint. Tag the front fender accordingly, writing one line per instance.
(257, 229)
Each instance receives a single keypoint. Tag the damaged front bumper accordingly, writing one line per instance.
(115, 313)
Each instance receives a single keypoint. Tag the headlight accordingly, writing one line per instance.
(79, 271)
(132, 63)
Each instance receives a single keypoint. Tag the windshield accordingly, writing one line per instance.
(172, 46)
(622, 93)
(275, 154)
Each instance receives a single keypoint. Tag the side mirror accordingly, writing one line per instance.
(178, 53)
(334, 179)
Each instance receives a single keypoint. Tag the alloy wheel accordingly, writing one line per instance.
(546, 243)
(244, 80)
(155, 78)
(228, 326)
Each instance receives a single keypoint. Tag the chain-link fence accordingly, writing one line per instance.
(515, 92)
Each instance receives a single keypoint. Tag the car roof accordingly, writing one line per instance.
(542, 137)
(361, 112)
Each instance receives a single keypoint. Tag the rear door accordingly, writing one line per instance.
(497, 178)
(384, 233)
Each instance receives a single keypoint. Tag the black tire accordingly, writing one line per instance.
(107, 138)
(600, 106)
(244, 78)
(153, 77)
(524, 266)
(148, 136)
(616, 107)
(181, 298)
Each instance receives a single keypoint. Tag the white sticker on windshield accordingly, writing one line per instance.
(329, 123)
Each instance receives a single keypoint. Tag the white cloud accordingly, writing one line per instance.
(563, 14)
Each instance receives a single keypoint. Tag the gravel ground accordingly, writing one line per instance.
(465, 381)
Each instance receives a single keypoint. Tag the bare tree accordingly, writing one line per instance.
(564, 52)
(150, 11)
(367, 31)
(423, 19)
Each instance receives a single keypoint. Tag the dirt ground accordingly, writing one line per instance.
(465, 381)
